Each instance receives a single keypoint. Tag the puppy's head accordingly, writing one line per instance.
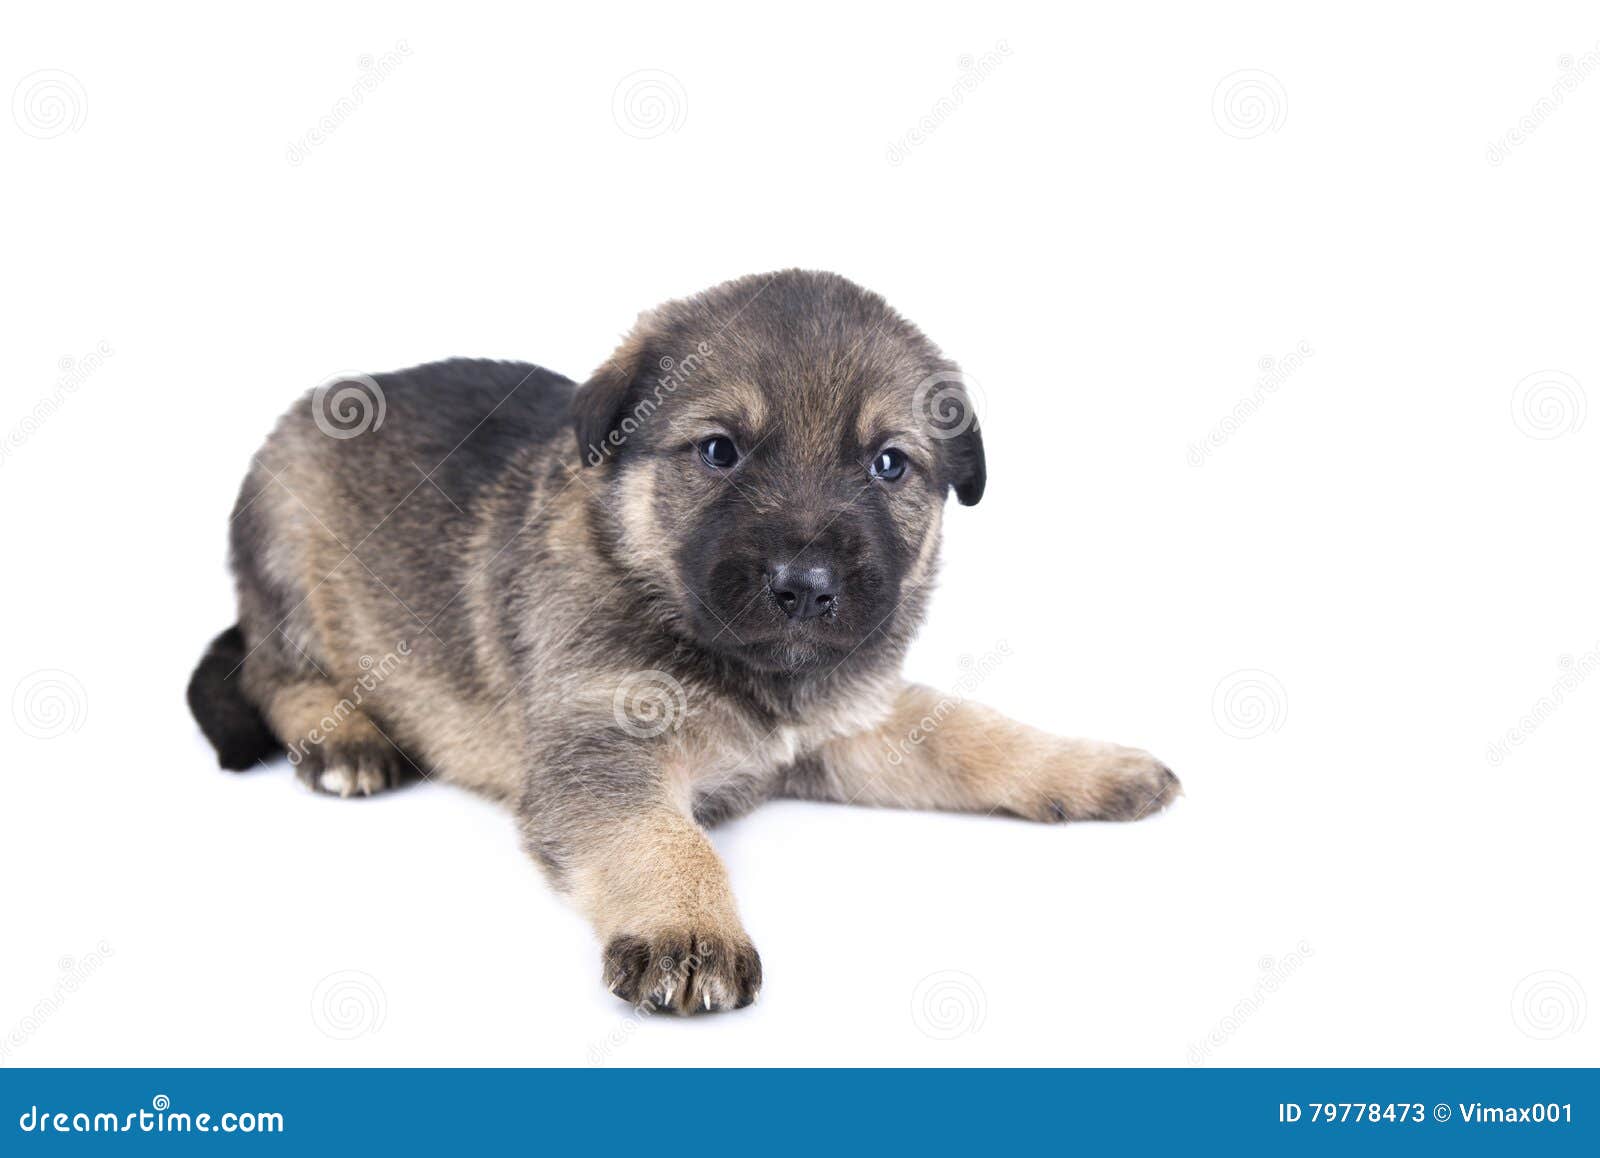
(773, 456)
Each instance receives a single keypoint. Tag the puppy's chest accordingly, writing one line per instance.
(726, 775)
(727, 751)
(713, 756)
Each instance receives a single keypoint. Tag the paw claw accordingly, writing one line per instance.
(345, 769)
(337, 781)
(684, 974)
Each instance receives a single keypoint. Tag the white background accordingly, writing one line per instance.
(1396, 545)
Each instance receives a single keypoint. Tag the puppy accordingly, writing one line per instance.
(632, 608)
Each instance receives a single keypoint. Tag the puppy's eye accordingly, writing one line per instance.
(718, 451)
(890, 464)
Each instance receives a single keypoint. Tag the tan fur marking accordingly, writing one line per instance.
(938, 751)
(647, 549)
(736, 403)
(654, 873)
(303, 709)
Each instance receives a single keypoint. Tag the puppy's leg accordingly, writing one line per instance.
(332, 742)
(648, 879)
(936, 751)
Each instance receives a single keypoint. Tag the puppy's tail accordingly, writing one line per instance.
(216, 697)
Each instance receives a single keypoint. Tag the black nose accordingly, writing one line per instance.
(804, 592)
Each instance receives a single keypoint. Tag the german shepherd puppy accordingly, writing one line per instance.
(632, 608)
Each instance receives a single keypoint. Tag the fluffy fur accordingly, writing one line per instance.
(483, 572)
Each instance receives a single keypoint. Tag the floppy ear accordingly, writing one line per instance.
(598, 405)
(968, 470)
(947, 403)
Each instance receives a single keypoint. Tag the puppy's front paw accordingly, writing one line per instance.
(341, 768)
(1084, 780)
(683, 971)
